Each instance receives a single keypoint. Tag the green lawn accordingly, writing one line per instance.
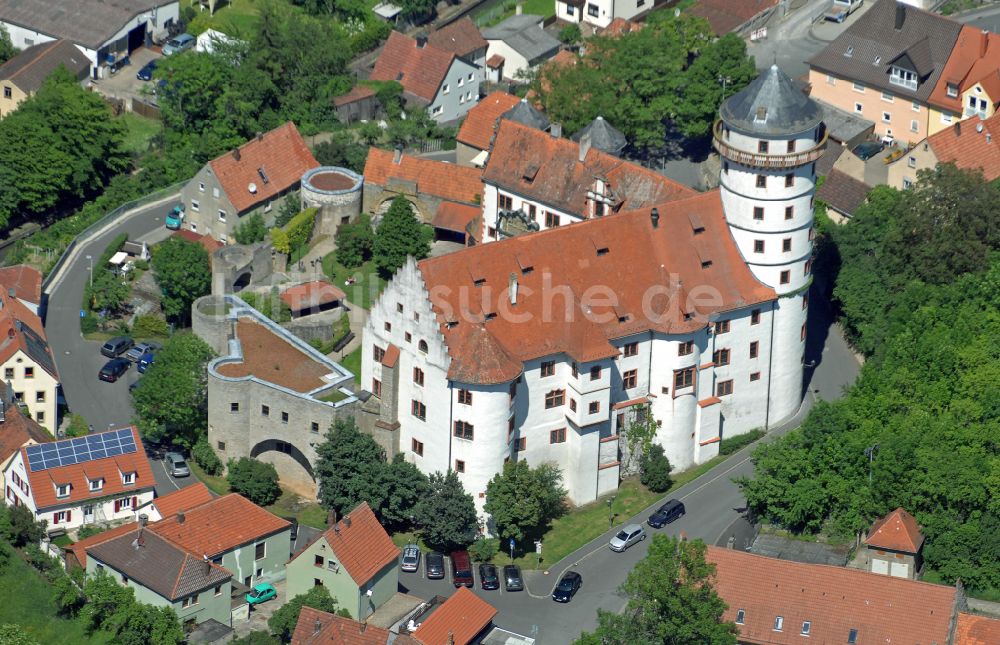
(334, 396)
(140, 131)
(367, 286)
(217, 485)
(234, 17)
(497, 13)
(352, 362)
(28, 602)
(307, 513)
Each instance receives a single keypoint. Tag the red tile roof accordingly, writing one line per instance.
(834, 600)
(391, 356)
(962, 145)
(21, 330)
(361, 544)
(26, 282)
(492, 351)
(455, 217)
(897, 531)
(975, 58)
(420, 70)
(219, 526)
(436, 178)
(620, 26)
(209, 243)
(725, 15)
(316, 627)
(547, 169)
(461, 38)
(43, 482)
(977, 630)
(18, 430)
(182, 499)
(495, 61)
(273, 359)
(281, 154)
(457, 621)
(310, 295)
(477, 129)
(357, 93)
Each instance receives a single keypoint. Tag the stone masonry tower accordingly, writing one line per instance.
(769, 137)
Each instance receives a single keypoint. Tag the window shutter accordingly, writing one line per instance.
(69, 515)
(55, 518)
(117, 506)
(135, 503)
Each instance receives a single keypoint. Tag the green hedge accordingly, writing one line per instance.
(300, 228)
(734, 444)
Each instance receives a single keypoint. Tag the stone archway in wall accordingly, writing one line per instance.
(421, 210)
(302, 477)
(242, 281)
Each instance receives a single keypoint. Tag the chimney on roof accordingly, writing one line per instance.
(397, 155)
(958, 128)
(556, 130)
(421, 41)
(979, 127)
(584, 147)
(317, 626)
(236, 154)
(331, 518)
(900, 15)
(347, 521)
(143, 520)
(519, 9)
(180, 517)
(512, 288)
(984, 42)
(260, 136)
(10, 292)
(654, 217)
(364, 626)
(206, 565)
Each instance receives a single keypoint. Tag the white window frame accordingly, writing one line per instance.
(952, 90)
(194, 205)
(914, 125)
(902, 77)
(915, 106)
(128, 478)
(911, 162)
(59, 490)
(859, 88)
(947, 117)
(859, 108)
(445, 89)
(436, 110)
(201, 186)
(125, 504)
(222, 216)
(215, 192)
(886, 117)
(830, 80)
(888, 98)
(95, 484)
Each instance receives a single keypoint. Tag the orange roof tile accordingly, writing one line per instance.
(209, 243)
(834, 600)
(461, 38)
(43, 482)
(977, 630)
(391, 356)
(361, 544)
(437, 178)
(310, 295)
(725, 15)
(273, 359)
(477, 129)
(495, 61)
(21, 330)
(182, 499)
(17, 431)
(963, 145)
(620, 26)
(457, 621)
(357, 93)
(220, 525)
(79, 549)
(455, 217)
(547, 169)
(897, 531)
(420, 70)
(26, 282)
(975, 58)
(491, 349)
(316, 627)
(281, 155)
(565, 58)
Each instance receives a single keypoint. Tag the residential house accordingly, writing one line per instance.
(316, 627)
(254, 178)
(886, 67)
(473, 138)
(104, 30)
(359, 104)
(16, 431)
(970, 83)
(25, 355)
(164, 574)
(434, 78)
(741, 17)
(828, 604)
(894, 546)
(21, 76)
(970, 144)
(600, 13)
(522, 42)
(973, 629)
(463, 39)
(354, 559)
(25, 282)
(460, 620)
(842, 194)
(103, 477)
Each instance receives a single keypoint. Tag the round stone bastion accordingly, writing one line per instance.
(336, 192)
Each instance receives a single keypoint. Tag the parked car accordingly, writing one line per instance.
(145, 361)
(512, 580)
(146, 73)
(116, 346)
(411, 558)
(567, 587)
(176, 464)
(179, 44)
(261, 592)
(136, 351)
(434, 565)
(461, 569)
(666, 514)
(488, 577)
(627, 536)
(868, 149)
(113, 370)
(175, 218)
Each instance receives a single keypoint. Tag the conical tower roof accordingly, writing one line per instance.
(603, 136)
(771, 104)
(525, 114)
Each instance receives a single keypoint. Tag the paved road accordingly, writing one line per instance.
(788, 42)
(714, 512)
(988, 19)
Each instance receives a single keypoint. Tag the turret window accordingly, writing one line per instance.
(758, 246)
(762, 147)
(786, 245)
(758, 213)
(791, 145)
(761, 181)
(789, 180)
(786, 277)
(789, 212)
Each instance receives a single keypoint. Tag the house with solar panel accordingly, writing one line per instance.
(100, 478)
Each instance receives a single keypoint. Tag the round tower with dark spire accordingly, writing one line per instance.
(770, 136)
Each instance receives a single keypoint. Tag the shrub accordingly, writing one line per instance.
(77, 426)
(654, 469)
(255, 480)
(88, 324)
(483, 549)
(205, 457)
(734, 444)
(150, 327)
(142, 265)
(300, 228)
(570, 34)
(279, 239)
(251, 230)
(88, 530)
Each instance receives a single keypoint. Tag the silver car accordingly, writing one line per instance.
(627, 536)
(411, 558)
(176, 464)
(179, 44)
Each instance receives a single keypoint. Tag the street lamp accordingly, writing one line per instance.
(870, 453)
(611, 515)
(90, 259)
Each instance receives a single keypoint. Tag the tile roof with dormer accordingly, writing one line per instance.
(26, 281)
(897, 531)
(315, 627)
(43, 482)
(972, 144)
(478, 127)
(263, 167)
(833, 600)
(461, 38)
(221, 525)
(436, 178)
(974, 59)
(691, 242)
(360, 544)
(457, 621)
(21, 330)
(420, 69)
(18, 430)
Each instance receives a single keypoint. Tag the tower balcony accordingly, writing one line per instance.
(766, 159)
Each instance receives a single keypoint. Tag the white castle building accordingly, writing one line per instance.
(540, 346)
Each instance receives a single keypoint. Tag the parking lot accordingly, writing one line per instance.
(124, 83)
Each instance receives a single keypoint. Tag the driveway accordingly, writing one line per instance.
(124, 83)
(715, 509)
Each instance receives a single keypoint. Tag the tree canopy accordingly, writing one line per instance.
(446, 514)
(282, 621)
(400, 234)
(7, 49)
(255, 480)
(182, 271)
(522, 500)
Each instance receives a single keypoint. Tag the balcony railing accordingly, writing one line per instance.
(766, 159)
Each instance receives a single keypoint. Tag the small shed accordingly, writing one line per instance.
(312, 297)
(136, 250)
(894, 545)
(360, 104)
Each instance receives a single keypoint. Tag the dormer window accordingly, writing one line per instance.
(852, 637)
(62, 490)
(95, 484)
(849, 52)
(128, 478)
(903, 77)
(740, 616)
(779, 623)
(952, 90)
(806, 627)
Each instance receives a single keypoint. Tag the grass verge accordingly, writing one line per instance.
(367, 282)
(352, 363)
(140, 132)
(217, 485)
(307, 513)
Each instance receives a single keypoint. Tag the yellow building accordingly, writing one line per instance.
(970, 82)
(21, 76)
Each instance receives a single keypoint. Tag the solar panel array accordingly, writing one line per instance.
(81, 449)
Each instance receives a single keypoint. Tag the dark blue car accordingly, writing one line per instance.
(146, 73)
